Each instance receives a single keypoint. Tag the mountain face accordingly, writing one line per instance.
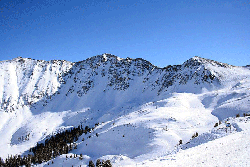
(133, 103)
(26, 82)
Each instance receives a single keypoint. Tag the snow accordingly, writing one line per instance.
(143, 111)
(230, 150)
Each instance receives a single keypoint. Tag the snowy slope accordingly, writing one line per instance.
(230, 150)
(143, 111)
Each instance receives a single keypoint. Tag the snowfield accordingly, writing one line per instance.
(142, 115)
(230, 150)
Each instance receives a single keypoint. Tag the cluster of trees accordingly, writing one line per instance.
(17, 160)
(195, 135)
(55, 146)
(246, 114)
(100, 163)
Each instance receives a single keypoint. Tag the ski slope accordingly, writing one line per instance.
(230, 150)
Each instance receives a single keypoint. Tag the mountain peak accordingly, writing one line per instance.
(102, 58)
(197, 61)
(20, 59)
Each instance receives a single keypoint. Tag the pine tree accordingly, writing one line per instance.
(98, 163)
(107, 164)
(91, 164)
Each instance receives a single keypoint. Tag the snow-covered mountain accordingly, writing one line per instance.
(141, 111)
(27, 81)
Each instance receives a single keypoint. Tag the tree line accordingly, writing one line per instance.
(61, 143)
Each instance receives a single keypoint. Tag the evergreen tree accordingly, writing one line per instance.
(98, 163)
(91, 164)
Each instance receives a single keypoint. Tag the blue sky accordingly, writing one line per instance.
(164, 32)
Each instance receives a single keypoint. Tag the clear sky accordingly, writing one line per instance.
(164, 32)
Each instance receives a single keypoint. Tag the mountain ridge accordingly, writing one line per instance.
(107, 56)
(129, 102)
(120, 73)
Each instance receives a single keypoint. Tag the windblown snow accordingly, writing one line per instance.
(146, 115)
